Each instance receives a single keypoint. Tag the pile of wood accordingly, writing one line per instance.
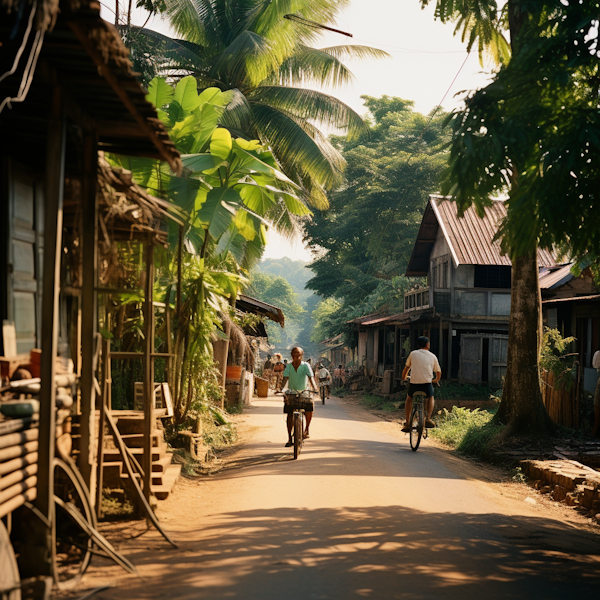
(18, 463)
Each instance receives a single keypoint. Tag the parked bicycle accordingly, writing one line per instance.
(297, 401)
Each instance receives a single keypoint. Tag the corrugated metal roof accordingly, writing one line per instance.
(555, 277)
(255, 306)
(576, 299)
(382, 319)
(469, 237)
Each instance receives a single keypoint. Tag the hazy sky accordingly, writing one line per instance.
(425, 59)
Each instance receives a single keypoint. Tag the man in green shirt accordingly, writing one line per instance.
(298, 374)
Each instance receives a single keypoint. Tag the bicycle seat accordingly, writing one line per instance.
(419, 393)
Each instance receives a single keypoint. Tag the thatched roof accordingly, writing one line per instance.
(87, 56)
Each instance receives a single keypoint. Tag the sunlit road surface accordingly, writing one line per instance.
(359, 515)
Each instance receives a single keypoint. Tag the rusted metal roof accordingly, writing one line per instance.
(258, 307)
(554, 277)
(382, 320)
(470, 237)
(575, 299)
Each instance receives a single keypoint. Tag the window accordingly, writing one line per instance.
(492, 276)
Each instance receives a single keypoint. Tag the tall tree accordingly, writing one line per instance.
(365, 239)
(533, 134)
(249, 46)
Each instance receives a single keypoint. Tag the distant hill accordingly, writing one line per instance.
(295, 272)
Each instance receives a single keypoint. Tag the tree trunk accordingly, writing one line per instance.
(522, 407)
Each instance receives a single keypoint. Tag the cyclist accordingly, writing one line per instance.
(422, 365)
(324, 375)
(298, 373)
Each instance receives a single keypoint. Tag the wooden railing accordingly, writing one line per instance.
(416, 299)
(562, 404)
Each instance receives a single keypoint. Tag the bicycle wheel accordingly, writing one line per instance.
(416, 428)
(323, 393)
(297, 434)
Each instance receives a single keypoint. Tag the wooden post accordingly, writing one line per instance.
(450, 350)
(148, 368)
(89, 241)
(36, 554)
(104, 406)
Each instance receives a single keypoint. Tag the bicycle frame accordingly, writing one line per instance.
(417, 420)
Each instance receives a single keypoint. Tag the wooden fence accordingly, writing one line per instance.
(562, 404)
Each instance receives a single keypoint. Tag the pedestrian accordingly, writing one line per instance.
(422, 365)
(267, 367)
(278, 369)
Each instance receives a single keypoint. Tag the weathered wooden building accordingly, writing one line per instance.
(465, 304)
(67, 91)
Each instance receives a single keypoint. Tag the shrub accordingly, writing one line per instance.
(468, 431)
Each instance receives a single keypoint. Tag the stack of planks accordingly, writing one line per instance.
(18, 463)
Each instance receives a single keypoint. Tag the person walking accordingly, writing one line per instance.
(424, 372)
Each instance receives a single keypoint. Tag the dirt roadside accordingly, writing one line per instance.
(501, 478)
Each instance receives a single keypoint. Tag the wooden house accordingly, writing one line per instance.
(67, 91)
(462, 305)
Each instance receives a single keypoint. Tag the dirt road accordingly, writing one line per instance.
(357, 516)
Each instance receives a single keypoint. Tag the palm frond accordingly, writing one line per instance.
(247, 60)
(303, 103)
(355, 52)
(308, 65)
(303, 151)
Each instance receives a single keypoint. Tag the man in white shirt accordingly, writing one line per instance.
(423, 365)
(323, 376)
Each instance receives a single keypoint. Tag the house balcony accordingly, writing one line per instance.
(416, 299)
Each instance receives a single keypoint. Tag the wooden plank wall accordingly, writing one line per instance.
(562, 404)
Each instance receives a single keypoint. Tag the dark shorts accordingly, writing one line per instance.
(420, 387)
(307, 405)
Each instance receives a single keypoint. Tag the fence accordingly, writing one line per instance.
(562, 404)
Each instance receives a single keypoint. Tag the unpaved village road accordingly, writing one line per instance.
(357, 516)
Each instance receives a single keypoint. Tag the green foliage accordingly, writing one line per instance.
(325, 319)
(248, 47)
(368, 233)
(556, 358)
(229, 192)
(277, 291)
(534, 133)
(466, 430)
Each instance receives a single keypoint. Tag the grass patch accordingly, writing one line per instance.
(467, 431)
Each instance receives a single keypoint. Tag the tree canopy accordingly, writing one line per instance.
(362, 244)
(268, 62)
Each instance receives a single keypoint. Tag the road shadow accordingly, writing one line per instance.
(377, 552)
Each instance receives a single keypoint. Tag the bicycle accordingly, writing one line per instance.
(297, 400)
(323, 389)
(417, 420)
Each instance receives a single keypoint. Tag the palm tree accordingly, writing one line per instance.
(248, 46)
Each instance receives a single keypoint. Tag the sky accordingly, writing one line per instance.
(427, 65)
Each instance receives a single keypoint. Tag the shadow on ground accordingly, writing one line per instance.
(374, 552)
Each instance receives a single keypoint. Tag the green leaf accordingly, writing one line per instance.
(217, 212)
(159, 92)
(186, 95)
(255, 197)
(251, 163)
(246, 224)
(220, 143)
(199, 163)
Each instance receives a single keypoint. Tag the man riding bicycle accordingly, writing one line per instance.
(324, 377)
(422, 365)
(298, 373)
